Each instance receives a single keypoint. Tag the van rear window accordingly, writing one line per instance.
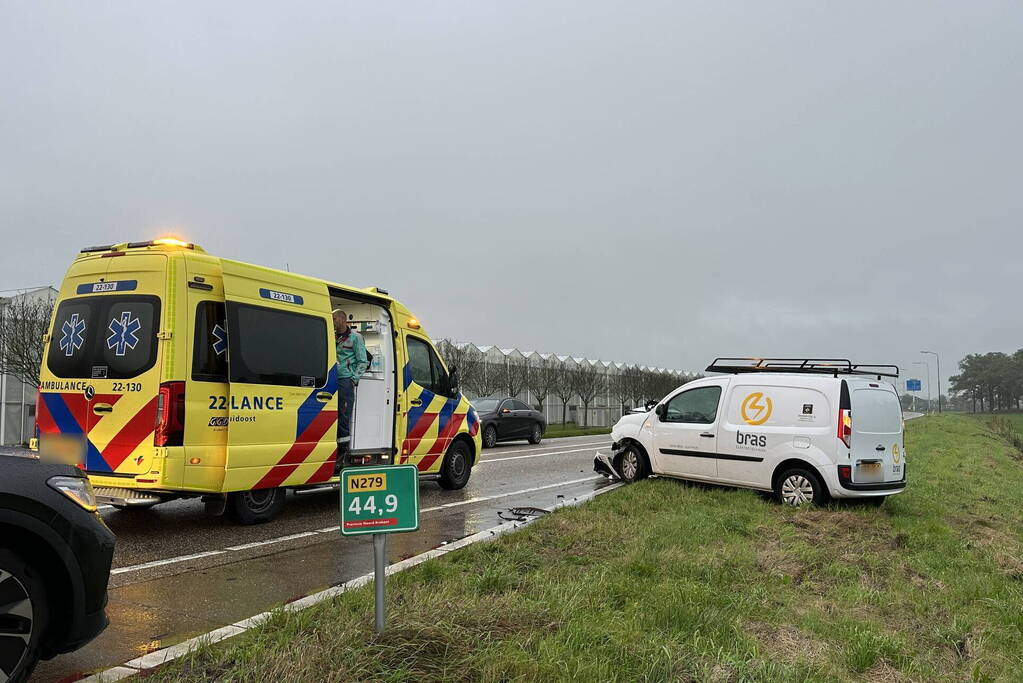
(876, 411)
(104, 337)
(268, 346)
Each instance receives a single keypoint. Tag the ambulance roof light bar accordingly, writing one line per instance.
(161, 242)
(818, 366)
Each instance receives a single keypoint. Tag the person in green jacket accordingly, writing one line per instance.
(351, 363)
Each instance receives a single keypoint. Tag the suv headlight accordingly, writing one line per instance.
(77, 489)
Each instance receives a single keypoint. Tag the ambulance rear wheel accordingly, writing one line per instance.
(457, 466)
(255, 507)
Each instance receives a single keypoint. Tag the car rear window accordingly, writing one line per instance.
(876, 411)
(104, 337)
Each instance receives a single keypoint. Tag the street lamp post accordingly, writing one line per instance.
(937, 362)
(928, 367)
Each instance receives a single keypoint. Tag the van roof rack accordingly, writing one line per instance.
(817, 366)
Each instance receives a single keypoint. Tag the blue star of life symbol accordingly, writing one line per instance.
(220, 335)
(73, 334)
(123, 337)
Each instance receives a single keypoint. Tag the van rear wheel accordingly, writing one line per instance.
(255, 507)
(800, 487)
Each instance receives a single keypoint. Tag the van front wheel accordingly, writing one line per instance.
(255, 507)
(457, 466)
(800, 487)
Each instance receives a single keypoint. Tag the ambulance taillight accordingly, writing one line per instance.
(170, 415)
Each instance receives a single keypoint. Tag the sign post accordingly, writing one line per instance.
(379, 501)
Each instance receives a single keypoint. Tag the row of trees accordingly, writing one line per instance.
(24, 320)
(990, 381)
(564, 378)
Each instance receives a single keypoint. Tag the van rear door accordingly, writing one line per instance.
(104, 361)
(877, 439)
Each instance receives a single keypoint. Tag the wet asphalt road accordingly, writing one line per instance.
(179, 573)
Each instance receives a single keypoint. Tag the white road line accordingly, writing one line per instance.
(272, 540)
(334, 529)
(170, 560)
(538, 455)
(510, 493)
(548, 445)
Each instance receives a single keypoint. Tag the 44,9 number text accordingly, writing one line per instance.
(368, 505)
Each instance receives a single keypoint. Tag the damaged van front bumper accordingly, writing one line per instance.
(604, 463)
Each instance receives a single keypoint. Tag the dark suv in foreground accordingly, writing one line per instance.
(55, 555)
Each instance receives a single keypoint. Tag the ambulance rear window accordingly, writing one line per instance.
(209, 348)
(104, 337)
(270, 346)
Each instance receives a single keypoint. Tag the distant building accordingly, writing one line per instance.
(17, 399)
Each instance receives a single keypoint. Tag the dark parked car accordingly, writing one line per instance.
(506, 419)
(55, 555)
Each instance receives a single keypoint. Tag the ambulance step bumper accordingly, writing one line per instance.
(110, 495)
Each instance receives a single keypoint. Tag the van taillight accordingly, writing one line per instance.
(170, 415)
(845, 427)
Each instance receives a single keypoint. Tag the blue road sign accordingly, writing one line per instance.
(912, 385)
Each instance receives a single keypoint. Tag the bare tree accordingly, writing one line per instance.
(618, 385)
(23, 322)
(466, 357)
(516, 374)
(635, 380)
(563, 385)
(489, 379)
(587, 382)
(539, 377)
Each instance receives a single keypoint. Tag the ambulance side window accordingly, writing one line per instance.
(271, 346)
(441, 382)
(419, 363)
(209, 349)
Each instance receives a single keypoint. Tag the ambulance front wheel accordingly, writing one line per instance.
(457, 466)
(255, 507)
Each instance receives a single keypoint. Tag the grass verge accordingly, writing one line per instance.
(668, 581)
(571, 429)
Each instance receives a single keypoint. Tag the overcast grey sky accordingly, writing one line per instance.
(652, 182)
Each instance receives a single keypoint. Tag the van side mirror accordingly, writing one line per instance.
(453, 381)
(650, 405)
(661, 411)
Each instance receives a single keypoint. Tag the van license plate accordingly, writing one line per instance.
(871, 466)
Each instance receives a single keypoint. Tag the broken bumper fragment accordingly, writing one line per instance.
(603, 463)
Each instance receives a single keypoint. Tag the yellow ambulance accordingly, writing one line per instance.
(168, 373)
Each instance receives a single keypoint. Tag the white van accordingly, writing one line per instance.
(806, 429)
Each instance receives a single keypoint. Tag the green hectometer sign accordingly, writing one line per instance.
(379, 500)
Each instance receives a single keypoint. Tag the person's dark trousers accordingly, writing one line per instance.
(345, 405)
